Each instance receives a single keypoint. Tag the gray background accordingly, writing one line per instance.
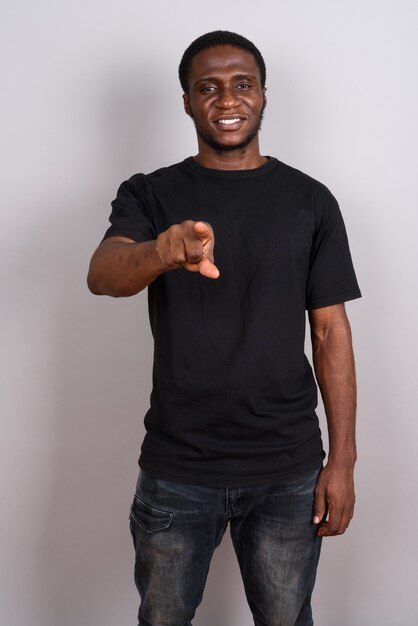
(89, 95)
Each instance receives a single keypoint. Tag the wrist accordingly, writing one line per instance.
(342, 461)
(161, 265)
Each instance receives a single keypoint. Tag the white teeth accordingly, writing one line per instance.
(229, 121)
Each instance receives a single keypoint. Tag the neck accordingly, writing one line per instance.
(248, 158)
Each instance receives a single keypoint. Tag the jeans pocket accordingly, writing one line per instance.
(148, 518)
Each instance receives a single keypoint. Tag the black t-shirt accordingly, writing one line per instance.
(234, 397)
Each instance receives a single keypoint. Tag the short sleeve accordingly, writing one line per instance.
(130, 216)
(332, 279)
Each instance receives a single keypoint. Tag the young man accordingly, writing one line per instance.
(232, 434)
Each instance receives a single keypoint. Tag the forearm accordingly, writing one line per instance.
(118, 268)
(335, 373)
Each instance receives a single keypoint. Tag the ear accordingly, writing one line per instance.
(264, 98)
(186, 104)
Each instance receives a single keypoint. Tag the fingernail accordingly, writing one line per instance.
(316, 520)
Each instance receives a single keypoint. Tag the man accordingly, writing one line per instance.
(232, 434)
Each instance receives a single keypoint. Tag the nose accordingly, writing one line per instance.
(227, 98)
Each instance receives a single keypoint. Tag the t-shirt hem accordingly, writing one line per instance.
(233, 482)
(126, 234)
(345, 297)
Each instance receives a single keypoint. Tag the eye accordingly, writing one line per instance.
(243, 86)
(207, 89)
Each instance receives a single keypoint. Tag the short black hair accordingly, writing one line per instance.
(218, 38)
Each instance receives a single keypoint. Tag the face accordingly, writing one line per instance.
(225, 99)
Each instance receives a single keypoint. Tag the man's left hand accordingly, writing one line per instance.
(334, 500)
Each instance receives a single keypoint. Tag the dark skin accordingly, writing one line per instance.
(335, 372)
(225, 100)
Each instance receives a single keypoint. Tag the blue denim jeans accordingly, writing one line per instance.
(176, 529)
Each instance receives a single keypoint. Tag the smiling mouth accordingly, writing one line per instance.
(230, 123)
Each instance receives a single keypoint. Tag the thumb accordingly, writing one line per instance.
(208, 269)
(320, 505)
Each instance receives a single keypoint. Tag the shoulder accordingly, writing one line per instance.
(310, 193)
(296, 178)
(314, 196)
(139, 182)
(163, 174)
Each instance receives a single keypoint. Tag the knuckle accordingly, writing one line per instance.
(174, 229)
(177, 258)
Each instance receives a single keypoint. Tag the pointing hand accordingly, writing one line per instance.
(189, 245)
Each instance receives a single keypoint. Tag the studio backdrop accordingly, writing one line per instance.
(89, 96)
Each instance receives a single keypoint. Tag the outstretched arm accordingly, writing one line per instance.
(122, 267)
(335, 372)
